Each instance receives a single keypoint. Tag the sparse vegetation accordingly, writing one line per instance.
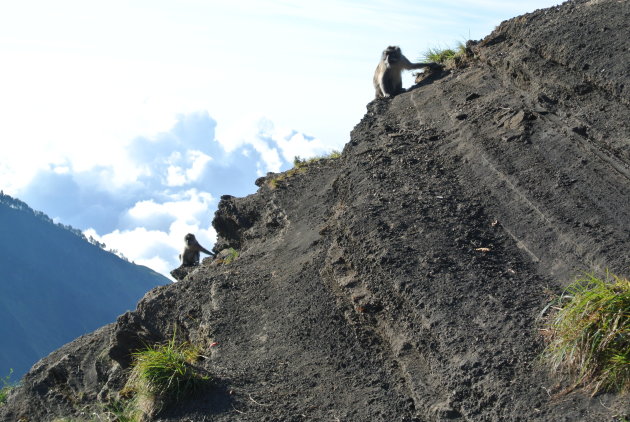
(447, 56)
(97, 418)
(232, 254)
(116, 411)
(299, 162)
(121, 411)
(5, 387)
(300, 165)
(589, 334)
(160, 375)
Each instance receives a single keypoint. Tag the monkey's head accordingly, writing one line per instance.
(392, 55)
(189, 239)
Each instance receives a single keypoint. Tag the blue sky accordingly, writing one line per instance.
(129, 119)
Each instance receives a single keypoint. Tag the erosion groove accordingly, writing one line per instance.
(405, 280)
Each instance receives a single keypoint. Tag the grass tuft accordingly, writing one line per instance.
(589, 334)
(166, 371)
(160, 375)
(447, 56)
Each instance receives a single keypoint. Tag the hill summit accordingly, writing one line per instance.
(404, 280)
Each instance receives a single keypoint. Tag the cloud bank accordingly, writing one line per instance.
(166, 185)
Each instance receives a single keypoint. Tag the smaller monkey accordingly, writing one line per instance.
(191, 254)
(388, 74)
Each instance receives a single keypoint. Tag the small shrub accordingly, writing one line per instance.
(165, 372)
(590, 333)
(5, 387)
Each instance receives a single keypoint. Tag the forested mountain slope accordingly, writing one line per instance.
(56, 286)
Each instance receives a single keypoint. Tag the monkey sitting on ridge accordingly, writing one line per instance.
(191, 254)
(387, 77)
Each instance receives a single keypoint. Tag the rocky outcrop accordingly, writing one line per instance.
(405, 280)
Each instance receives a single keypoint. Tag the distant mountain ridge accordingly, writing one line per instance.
(23, 206)
(56, 285)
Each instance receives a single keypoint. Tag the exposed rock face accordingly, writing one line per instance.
(405, 280)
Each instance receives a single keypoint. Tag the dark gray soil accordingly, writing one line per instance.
(405, 280)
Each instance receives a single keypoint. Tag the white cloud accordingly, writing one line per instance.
(176, 176)
(199, 161)
(170, 187)
(185, 171)
(189, 206)
(297, 144)
(276, 145)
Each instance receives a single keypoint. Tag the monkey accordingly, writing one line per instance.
(387, 77)
(191, 254)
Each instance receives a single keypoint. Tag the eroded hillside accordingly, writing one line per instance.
(405, 280)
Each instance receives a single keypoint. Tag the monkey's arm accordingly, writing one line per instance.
(423, 65)
(204, 250)
(407, 65)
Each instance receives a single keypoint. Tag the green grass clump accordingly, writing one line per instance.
(590, 333)
(447, 56)
(300, 165)
(5, 388)
(164, 373)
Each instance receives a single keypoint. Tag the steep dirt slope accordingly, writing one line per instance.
(405, 280)
(549, 135)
